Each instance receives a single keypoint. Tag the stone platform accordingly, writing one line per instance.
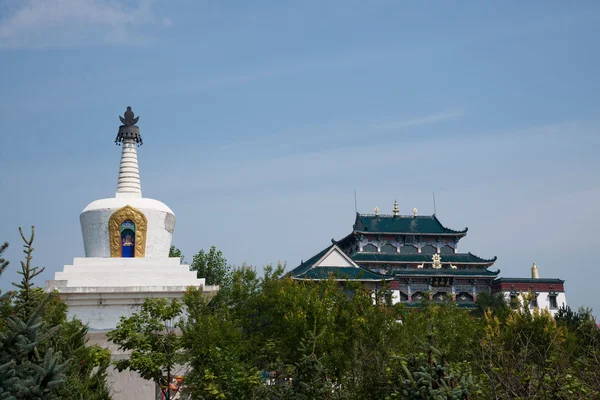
(101, 290)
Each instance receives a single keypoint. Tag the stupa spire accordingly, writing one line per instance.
(129, 184)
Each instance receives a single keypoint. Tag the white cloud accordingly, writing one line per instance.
(64, 23)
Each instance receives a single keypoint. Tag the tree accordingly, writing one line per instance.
(175, 252)
(428, 376)
(24, 301)
(29, 369)
(212, 266)
(152, 338)
(528, 356)
(217, 351)
(87, 373)
(308, 378)
(495, 302)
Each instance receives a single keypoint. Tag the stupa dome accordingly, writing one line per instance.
(95, 220)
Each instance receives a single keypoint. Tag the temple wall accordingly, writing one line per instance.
(543, 300)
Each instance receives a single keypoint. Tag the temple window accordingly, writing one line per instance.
(553, 302)
(446, 250)
(409, 250)
(464, 297)
(388, 248)
(369, 248)
(440, 297)
(128, 239)
(418, 296)
(533, 303)
(428, 249)
(514, 301)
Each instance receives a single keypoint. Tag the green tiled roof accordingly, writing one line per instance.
(353, 273)
(460, 258)
(529, 280)
(402, 224)
(305, 265)
(443, 271)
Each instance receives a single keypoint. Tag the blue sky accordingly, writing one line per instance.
(260, 119)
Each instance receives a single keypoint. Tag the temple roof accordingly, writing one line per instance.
(341, 273)
(444, 272)
(529, 280)
(460, 258)
(403, 224)
(306, 265)
(333, 262)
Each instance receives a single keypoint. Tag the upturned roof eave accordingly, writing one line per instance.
(529, 280)
(458, 233)
(344, 279)
(488, 263)
(490, 276)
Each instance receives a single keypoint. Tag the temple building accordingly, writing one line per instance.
(414, 257)
(536, 292)
(127, 239)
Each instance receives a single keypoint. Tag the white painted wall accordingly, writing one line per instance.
(543, 299)
(335, 259)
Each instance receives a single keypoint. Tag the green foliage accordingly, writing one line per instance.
(529, 355)
(428, 376)
(24, 300)
(3, 262)
(86, 377)
(494, 302)
(271, 337)
(5, 308)
(308, 378)
(151, 335)
(455, 330)
(175, 252)
(212, 266)
(28, 368)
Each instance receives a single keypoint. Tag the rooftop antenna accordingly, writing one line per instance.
(355, 203)
(434, 210)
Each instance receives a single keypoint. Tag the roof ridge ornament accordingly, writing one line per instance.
(437, 261)
(376, 211)
(396, 211)
(415, 211)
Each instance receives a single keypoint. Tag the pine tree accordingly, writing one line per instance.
(24, 299)
(310, 375)
(429, 377)
(27, 369)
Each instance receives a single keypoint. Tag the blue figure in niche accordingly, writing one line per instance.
(128, 239)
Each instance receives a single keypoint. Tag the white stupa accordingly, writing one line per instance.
(127, 240)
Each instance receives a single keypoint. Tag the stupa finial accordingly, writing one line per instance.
(535, 272)
(129, 119)
(129, 175)
(396, 210)
(129, 129)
